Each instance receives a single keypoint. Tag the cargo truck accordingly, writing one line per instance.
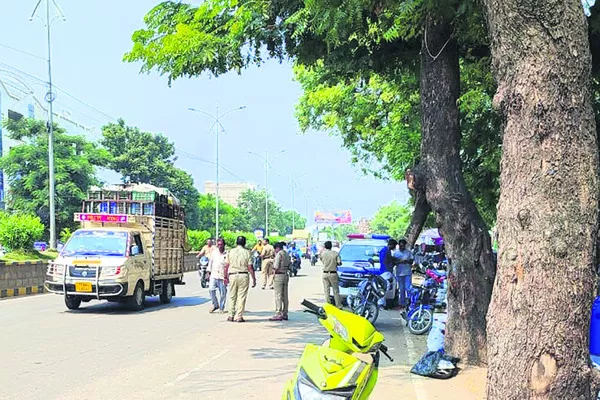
(124, 256)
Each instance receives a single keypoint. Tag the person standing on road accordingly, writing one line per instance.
(206, 250)
(238, 264)
(331, 261)
(386, 259)
(280, 283)
(216, 267)
(404, 262)
(266, 272)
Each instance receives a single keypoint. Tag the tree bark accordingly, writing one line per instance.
(548, 210)
(439, 180)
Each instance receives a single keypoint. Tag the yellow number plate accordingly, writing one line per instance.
(83, 287)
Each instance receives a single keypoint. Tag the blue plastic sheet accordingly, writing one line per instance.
(587, 5)
(428, 364)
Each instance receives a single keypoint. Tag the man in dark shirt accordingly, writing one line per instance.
(386, 259)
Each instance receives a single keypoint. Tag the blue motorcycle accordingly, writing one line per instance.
(419, 313)
(370, 297)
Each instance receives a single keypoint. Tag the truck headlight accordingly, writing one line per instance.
(113, 271)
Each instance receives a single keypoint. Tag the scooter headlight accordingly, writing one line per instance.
(306, 390)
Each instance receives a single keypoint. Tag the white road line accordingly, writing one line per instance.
(198, 368)
(413, 358)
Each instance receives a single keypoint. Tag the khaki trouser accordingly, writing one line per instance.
(280, 284)
(332, 281)
(267, 273)
(237, 294)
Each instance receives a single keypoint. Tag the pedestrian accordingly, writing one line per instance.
(238, 265)
(266, 272)
(206, 250)
(386, 259)
(281, 280)
(404, 260)
(331, 261)
(216, 267)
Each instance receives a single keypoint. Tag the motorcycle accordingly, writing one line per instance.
(203, 271)
(256, 260)
(293, 271)
(313, 259)
(344, 366)
(419, 312)
(439, 279)
(370, 297)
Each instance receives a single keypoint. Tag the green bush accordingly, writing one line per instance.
(65, 235)
(197, 239)
(20, 231)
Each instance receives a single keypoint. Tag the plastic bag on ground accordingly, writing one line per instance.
(429, 364)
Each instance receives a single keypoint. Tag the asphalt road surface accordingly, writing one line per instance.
(177, 350)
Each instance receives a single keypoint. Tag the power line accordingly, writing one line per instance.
(22, 52)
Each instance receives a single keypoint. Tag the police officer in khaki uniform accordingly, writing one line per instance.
(331, 260)
(280, 282)
(238, 265)
(266, 272)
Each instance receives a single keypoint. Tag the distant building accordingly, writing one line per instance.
(228, 192)
(364, 226)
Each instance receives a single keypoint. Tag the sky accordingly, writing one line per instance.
(87, 52)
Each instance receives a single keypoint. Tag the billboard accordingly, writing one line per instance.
(334, 217)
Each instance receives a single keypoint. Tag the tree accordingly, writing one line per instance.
(252, 211)
(26, 169)
(392, 219)
(143, 157)
(548, 209)
(229, 216)
(340, 232)
(357, 37)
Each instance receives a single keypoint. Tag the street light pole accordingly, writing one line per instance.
(50, 99)
(217, 123)
(265, 158)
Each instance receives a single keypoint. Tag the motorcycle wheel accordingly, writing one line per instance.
(421, 323)
(204, 283)
(444, 373)
(370, 312)
(295, 273)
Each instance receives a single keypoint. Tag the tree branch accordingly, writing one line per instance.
(422, 210)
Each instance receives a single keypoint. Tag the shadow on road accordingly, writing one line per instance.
(150, 305)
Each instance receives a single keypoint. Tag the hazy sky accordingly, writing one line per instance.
(87, 63)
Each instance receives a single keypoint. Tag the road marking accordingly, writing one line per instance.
(413, 358)
(200, 366)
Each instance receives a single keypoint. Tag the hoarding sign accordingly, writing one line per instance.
(259, 233)
(115, 218)
(335, 217)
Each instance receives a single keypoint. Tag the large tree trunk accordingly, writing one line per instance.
(548, 210)
(439, 181)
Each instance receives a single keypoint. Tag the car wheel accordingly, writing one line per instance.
(136, 302)
(72, 302)
(167, 292)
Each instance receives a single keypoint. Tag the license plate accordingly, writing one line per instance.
(83, 287)
(353, 291)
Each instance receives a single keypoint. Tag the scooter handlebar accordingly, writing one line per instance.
(311, 306)
(383, 348)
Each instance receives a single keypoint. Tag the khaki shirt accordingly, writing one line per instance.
(238, 259)
(330, 260)
(268, 252)
(282, 261)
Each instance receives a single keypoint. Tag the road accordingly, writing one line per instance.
(177, 350)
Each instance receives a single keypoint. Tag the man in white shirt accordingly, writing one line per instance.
(216, 267)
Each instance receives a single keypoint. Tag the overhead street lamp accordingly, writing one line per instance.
(265, 158)
(294, 184)
(219, 126)
(50, 96)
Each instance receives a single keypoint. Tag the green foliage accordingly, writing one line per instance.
(340, 232)
(197, 239)
(392, 219)
(252, 212)
(65, 235)
(20, 231)
(26, 169)
(28, 255)
(229, 216)
(143, 157)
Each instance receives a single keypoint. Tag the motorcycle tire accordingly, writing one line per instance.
(204, 283)
(370, 312)
(416, 326)
(444, 373)
(295, 273)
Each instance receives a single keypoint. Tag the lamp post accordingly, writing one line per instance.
(265, 158)
(293, 185)
(50, 96)
(217, 122)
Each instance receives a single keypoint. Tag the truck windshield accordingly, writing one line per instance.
(96, 243)
(359, 252)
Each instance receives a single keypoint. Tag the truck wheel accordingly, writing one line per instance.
(136, 302)
(72, 302)
(167, 292)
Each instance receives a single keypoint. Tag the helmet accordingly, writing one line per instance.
(204, 260)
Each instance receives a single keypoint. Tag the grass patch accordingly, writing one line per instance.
(28, 255)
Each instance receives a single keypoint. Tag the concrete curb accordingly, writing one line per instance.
(21, 291)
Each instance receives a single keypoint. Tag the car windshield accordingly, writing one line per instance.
(96, 243)
(300, 243)
(359, 252)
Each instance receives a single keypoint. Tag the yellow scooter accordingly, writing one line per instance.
(345, 367)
